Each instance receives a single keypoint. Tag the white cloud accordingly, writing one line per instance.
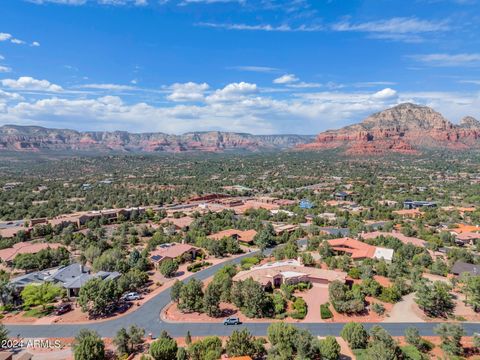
(17, 41)
(10, 96)
(262, 27)
(305, 85)
(448, 59)
(399, 28)
(239, 106)
(35, 44)
(9, 37)
(29, 83)
(111, 87)
(101, 2)
(474, 82)
(259, 69)
(189, 91)
(385, 94)
(5, 69)
(233, 91)
(5, 36)
(285, 79)
(186, 2)
(63, 2)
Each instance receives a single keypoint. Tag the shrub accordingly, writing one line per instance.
(378, 308)
(325, 312)
(198, 266)
(301, 308)
(410, 352)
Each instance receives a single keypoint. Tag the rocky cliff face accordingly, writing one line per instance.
(406, 128)
(34, 138)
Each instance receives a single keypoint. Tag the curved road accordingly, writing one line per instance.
(147, 316)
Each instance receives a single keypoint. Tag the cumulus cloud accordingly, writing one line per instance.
(285, 79)
(10, 38)
(233, 91)
(190, 91)
(385, 94)
(35, 44)
(239, 106)
(4, 69)
(5, 36)
(30, 83)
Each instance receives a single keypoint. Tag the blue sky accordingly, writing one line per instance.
(258, 66)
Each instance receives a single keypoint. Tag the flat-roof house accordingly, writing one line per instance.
(172, 251)
(306, 204)
(281, 228)
(359, 250)
(245, 236)
(461, 267)
(413, 204)
(273, 275)
(464, 238)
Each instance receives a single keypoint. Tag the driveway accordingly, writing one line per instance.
(402, 311)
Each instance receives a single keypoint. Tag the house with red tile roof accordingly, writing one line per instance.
(273, 275)
(173, 251)
(179, 223)
(7, 255)
(245, 236)
(359, 250)
(397, 235)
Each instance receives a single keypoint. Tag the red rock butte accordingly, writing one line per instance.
(406, 128)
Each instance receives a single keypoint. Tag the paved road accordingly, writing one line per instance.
(148, 317)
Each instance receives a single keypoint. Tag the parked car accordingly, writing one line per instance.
(122, 307)
(62, 309)
(232, 321)
(131, 296)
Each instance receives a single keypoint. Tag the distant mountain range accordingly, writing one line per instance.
(406, 128)
(38, 139)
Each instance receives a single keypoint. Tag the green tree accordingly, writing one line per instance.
(382, 345)
(3, 334)
(182, 354)
(211, 300)
(96, 294)
(471, 289)
(434, 299)
(265, 237)
(88, 345)
(451, 336)
(164, 348)
(43, 294)
(191, 296)
(210, 348)
(168, 268)
(251, 298)
(329, 348)
(176, 290)
(242, 343)
(355, 334)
